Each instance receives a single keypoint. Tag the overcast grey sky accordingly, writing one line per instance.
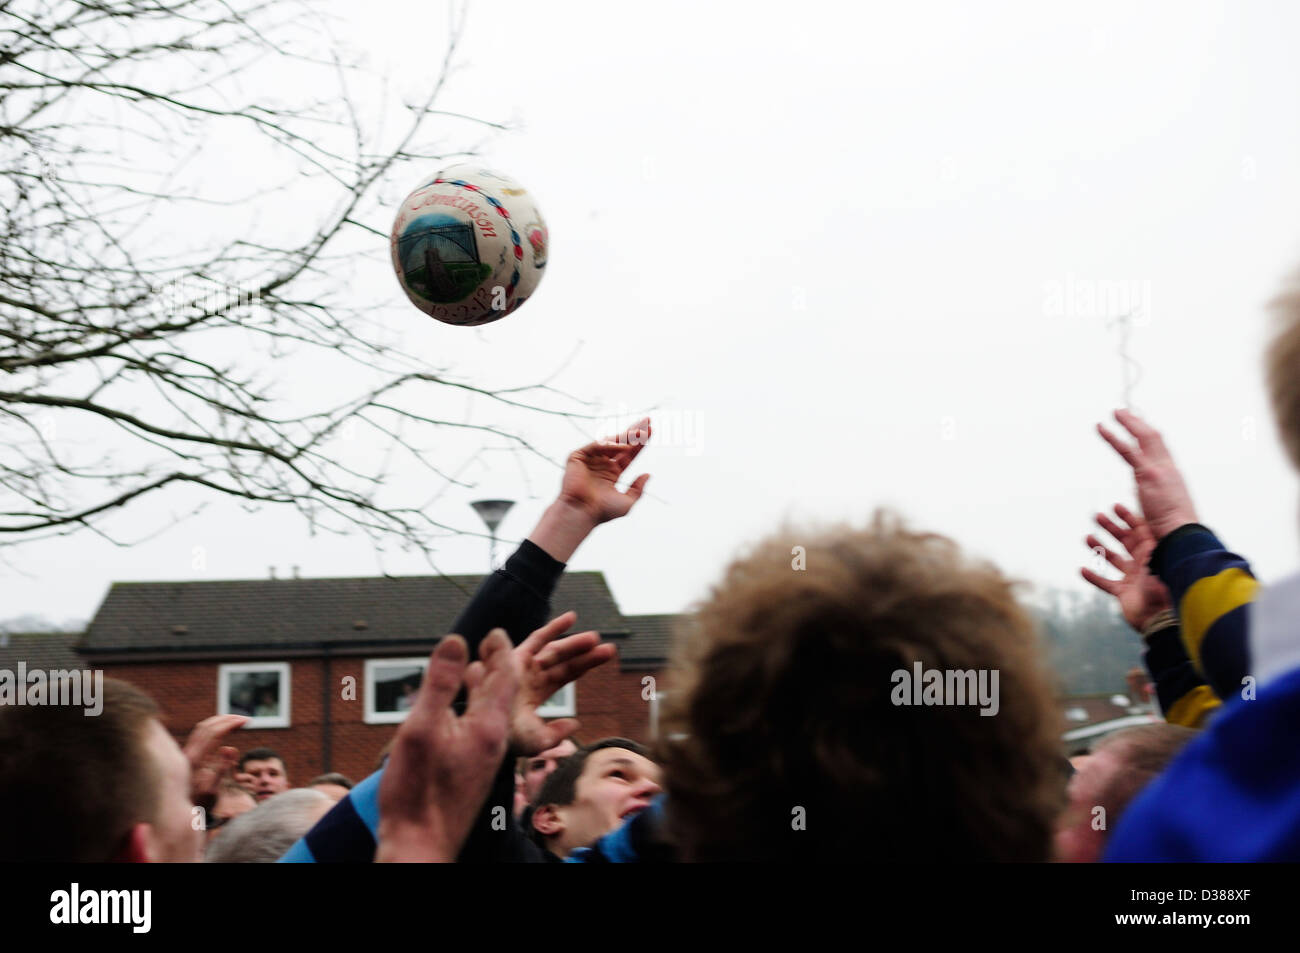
(856, 255)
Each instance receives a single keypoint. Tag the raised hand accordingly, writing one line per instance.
(209, 759)
(592, 472)
(441, 766)
(547, 663)
(1140, 594)
(1162, 494)
(589, 493)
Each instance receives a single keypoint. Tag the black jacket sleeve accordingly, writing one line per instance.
(517, 598)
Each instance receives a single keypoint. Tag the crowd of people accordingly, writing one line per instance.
(822, 707)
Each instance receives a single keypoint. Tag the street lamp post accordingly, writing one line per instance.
(492, 512)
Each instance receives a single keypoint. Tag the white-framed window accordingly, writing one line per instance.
(392, 684)
(391, 687)
(563, 704)
(259, 690)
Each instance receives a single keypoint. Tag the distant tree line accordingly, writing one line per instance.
(1090, 645)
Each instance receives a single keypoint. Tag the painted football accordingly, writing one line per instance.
(469, 245)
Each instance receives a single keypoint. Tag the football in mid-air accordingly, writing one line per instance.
(469, 245)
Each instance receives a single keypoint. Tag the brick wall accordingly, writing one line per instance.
(187, 693)
(609, 702)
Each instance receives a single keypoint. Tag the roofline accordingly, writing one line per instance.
(208, 652)
(203, 653)
(381, 578)
(641, 662)
(40, 635)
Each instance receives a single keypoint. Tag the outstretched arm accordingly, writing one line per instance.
(1211, 588)
(589, 493)
(515, 598)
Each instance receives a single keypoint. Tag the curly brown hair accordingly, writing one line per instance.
(1282, 366)
(779, 737)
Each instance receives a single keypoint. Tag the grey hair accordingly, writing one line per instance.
(262, 835)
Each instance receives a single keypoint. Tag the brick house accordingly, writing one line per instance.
(186, 643)
(324, 665)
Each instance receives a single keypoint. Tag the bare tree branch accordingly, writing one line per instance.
(166, 357)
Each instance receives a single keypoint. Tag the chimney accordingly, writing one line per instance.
(295, 573)
(272, 571)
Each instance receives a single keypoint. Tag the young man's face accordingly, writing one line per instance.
(539, 767)
(172, 836)
(267, 778)
(615, 784)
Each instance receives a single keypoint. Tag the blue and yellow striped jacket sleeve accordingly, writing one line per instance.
(1184, 697)
(1212, 590)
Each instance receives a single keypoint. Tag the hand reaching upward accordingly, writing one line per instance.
(442, 765)
(1162, 494)
(1140, 594)
(589, 493)
(547, 663)
(592, 472)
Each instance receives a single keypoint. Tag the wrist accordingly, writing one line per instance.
(1172, 522)
(562, 529)
(1157, 622)
(1176, 539)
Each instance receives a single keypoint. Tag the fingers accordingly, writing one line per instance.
(562, 673)
(633, 492)
(493, 690)
(1148, 437)
(475, 672)
(208, 734)
(1113, 558)
(1108, 586)
(622, 449)
(497, 641)
(1121, 533)
(552, 630)
(443, 676)
(227, 725)
(1128, 516)
(567, 648)
(1132, 456)
(634, 436)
